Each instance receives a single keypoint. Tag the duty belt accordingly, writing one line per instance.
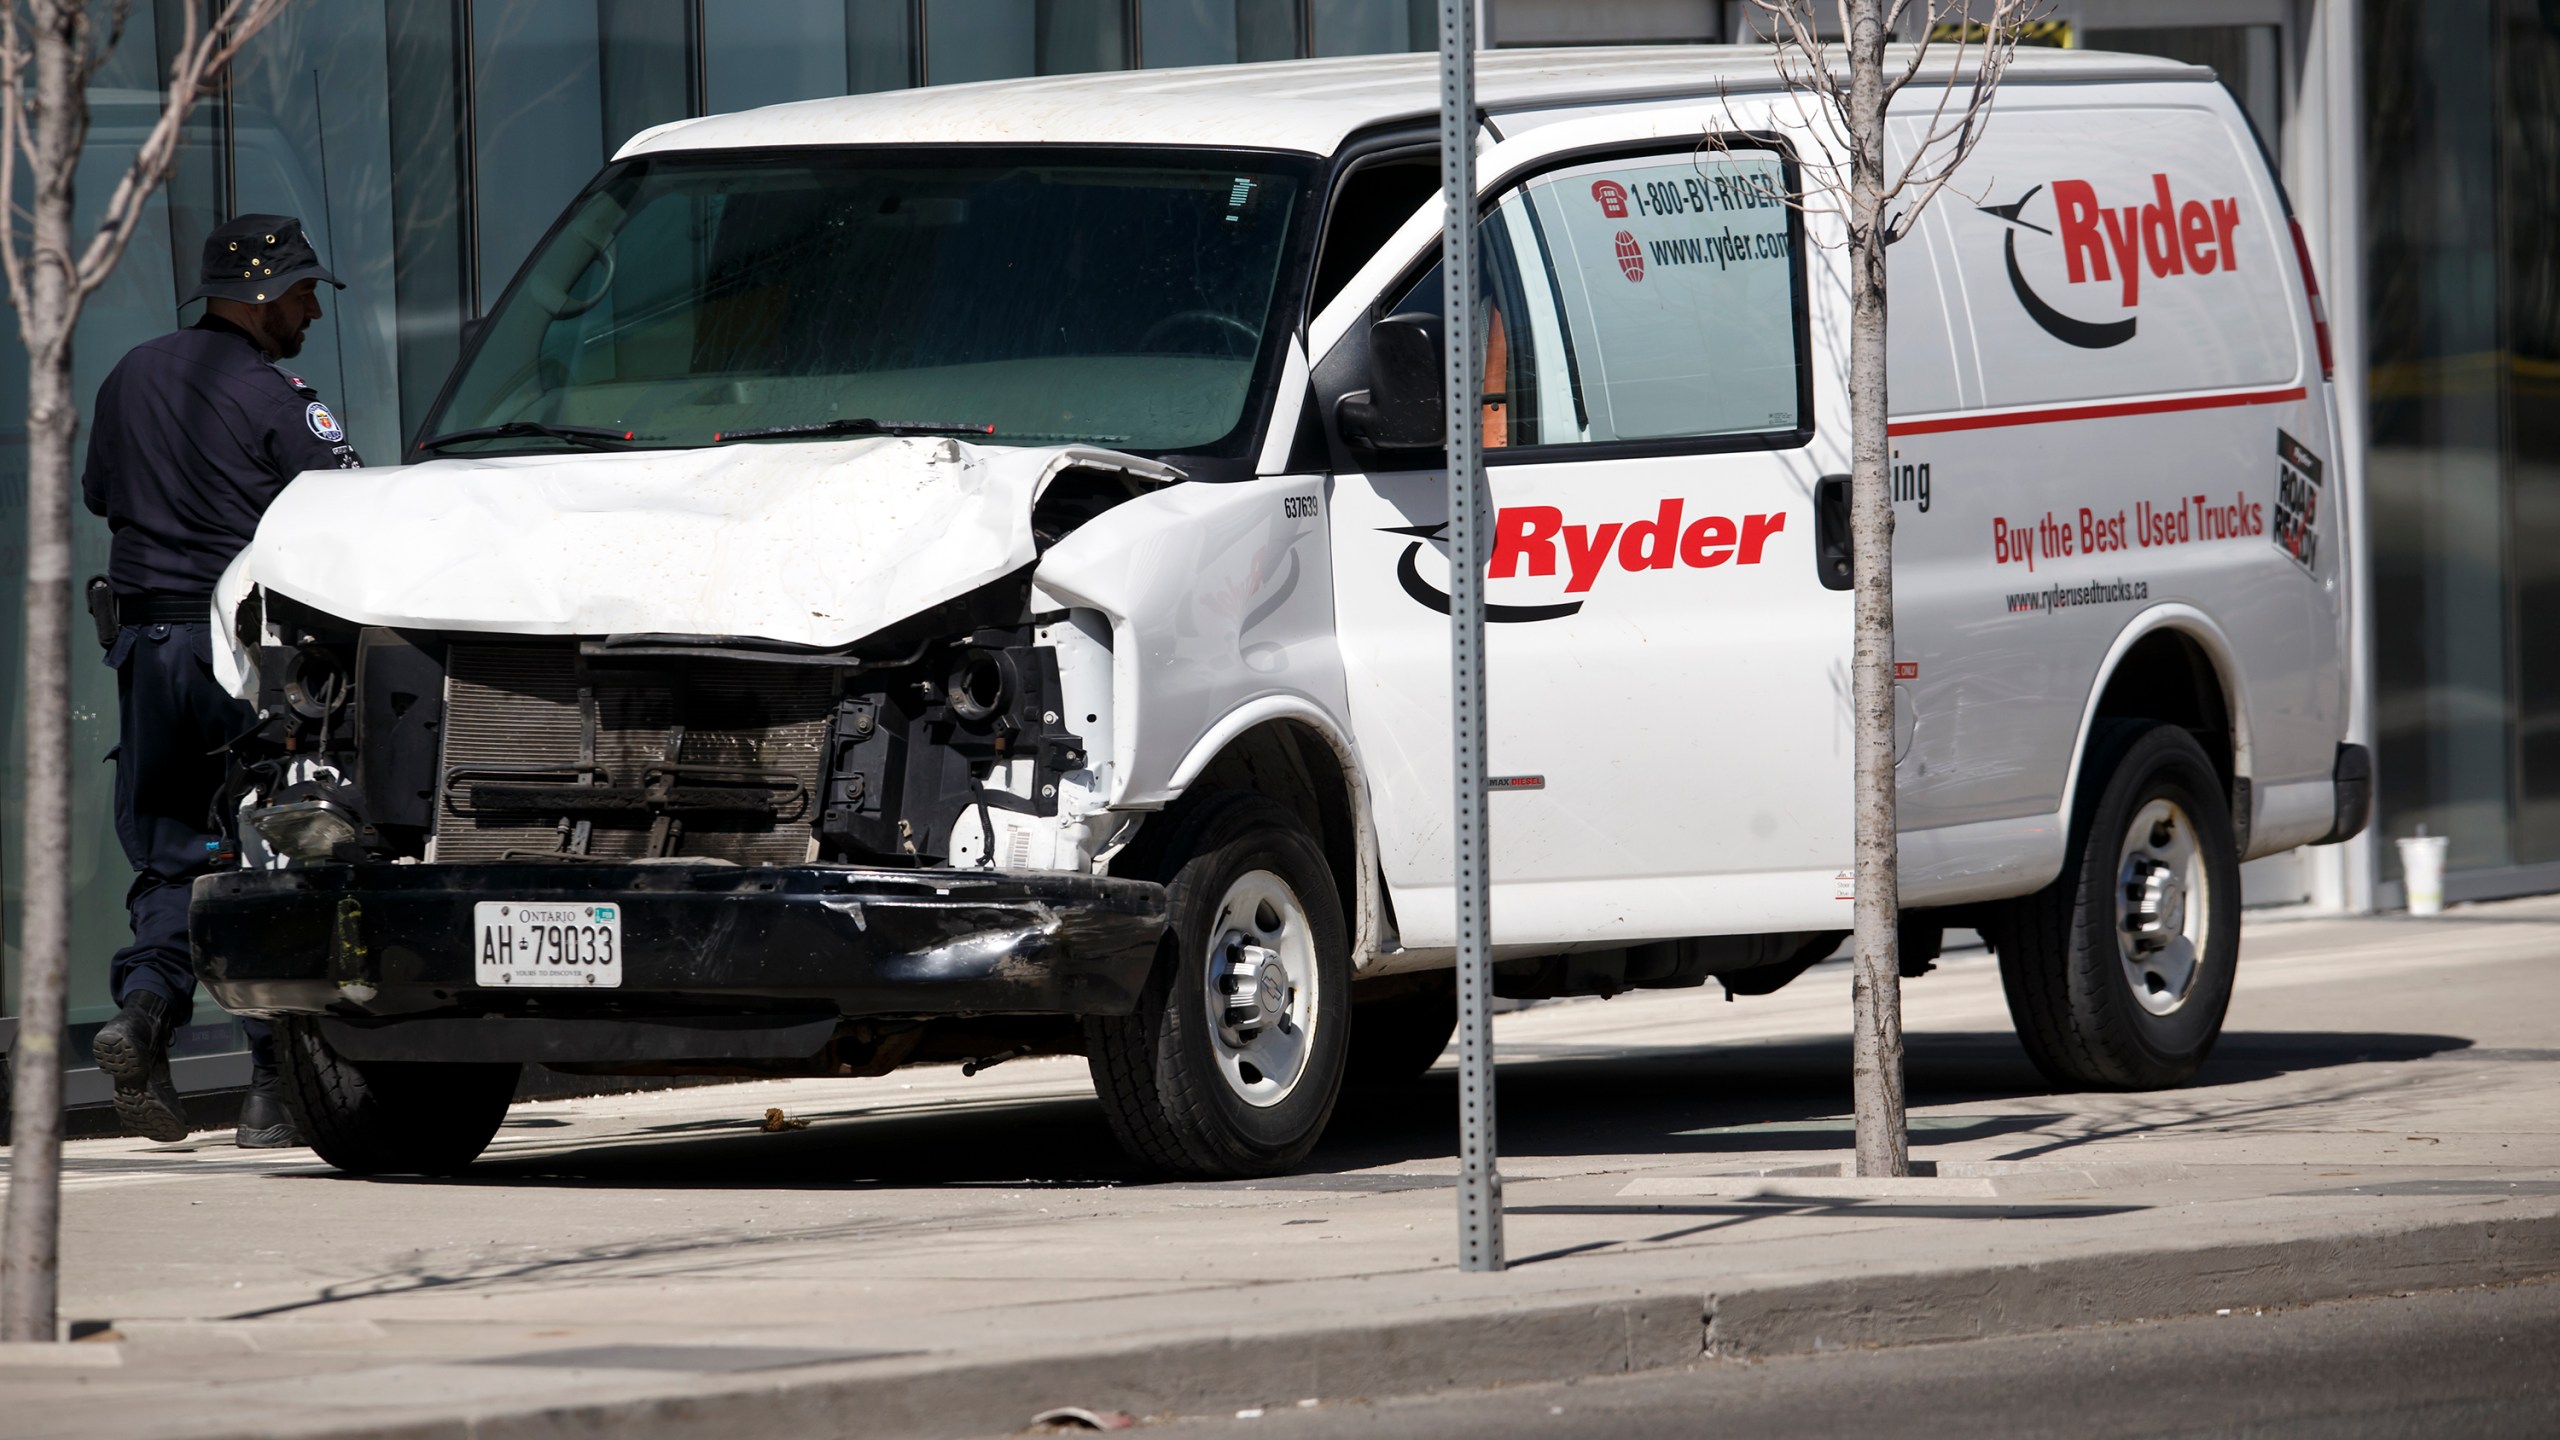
(164, 607)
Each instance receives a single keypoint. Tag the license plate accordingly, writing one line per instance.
(523, 944)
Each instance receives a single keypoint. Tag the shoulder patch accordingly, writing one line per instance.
(300, 386)
(322, 423)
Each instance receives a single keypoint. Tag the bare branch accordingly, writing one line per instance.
(96, 59)
(1719, 140)
(203, 56)
(1963, 57)
(1951, 141)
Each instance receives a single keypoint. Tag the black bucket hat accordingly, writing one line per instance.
(254, 259)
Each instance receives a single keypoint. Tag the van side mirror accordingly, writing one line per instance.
(1403, 408)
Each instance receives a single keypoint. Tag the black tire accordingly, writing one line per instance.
(1402, 1034)
(1163, 1073)
(2102, 1001)
(386, 1117)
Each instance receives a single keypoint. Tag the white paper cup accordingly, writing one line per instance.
(2422, 872)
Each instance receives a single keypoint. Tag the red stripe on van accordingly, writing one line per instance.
(1946, 423)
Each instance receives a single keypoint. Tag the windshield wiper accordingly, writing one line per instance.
(591, 436)
(852, 425)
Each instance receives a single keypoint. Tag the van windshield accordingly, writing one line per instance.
(1119, 300)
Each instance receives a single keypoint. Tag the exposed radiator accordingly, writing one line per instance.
(546, 752)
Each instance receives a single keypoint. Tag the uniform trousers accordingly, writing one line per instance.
(173, 722)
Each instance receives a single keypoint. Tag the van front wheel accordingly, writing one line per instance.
(2118, 973)
(1231, 1064)
(389, 1117)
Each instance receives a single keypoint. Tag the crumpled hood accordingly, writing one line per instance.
(808, 543)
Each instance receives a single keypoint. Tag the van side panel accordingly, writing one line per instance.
(1929, 351)
(2152, 432)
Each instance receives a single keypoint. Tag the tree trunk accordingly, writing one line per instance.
(1876, 1056)
(30, 1242)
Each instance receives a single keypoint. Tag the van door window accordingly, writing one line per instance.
(1644, 300)
(1522, 350)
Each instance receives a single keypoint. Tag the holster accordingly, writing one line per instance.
(102, 610)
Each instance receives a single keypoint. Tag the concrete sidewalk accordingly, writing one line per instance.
(934, 1256)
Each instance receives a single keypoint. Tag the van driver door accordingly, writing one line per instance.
(1668, 718)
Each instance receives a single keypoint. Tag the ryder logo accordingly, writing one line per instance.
(2164, 237)
(1534, 540)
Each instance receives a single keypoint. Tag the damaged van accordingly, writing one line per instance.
(962, 573)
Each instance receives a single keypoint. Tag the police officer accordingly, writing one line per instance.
(195, 433)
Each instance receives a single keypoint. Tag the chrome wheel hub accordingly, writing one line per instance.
(1256, 984)
(2161, 907)
(1261, 988)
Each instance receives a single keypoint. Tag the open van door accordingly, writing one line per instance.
(1668, 645)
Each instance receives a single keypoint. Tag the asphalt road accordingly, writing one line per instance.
(2480, 1363)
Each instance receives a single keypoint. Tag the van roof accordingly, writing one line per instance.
(1307, 105)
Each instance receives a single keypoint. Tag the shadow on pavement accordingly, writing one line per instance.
(1707, 1101)
(1765, 1097)
(1710, 1102)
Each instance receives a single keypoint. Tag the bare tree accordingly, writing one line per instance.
(1842, 90)
(49, 52)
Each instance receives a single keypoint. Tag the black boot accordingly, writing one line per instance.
(265, 1123)
(133, 1050)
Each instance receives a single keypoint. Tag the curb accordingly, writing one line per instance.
(1521, 1343)
(2121, 1288)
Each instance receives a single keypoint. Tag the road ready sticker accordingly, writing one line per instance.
(322, 423)
(2297, 520)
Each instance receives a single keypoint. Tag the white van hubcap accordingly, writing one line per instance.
(2162, 897)
(1261, 984)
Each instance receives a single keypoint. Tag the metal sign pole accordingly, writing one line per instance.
(1479, 1183)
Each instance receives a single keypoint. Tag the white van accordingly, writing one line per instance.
(959, 573)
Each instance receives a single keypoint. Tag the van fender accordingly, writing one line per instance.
(1220, 603)
(1372, 939)
(2196, 625)
(1217, 594)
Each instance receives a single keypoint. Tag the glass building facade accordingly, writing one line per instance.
(428, 144)
(2462, 165)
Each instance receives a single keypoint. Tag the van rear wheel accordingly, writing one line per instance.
(2119, 973)
(389, 1117)
(1231, 1063)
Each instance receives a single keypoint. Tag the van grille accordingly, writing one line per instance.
(712, 758)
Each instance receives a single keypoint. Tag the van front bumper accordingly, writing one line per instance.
(716, 946)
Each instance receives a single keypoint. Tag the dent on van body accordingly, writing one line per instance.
(1218, 596)
(1219, 600)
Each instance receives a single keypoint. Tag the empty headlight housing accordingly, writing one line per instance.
(305, 830)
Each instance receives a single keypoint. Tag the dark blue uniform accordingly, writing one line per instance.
(195, 434)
